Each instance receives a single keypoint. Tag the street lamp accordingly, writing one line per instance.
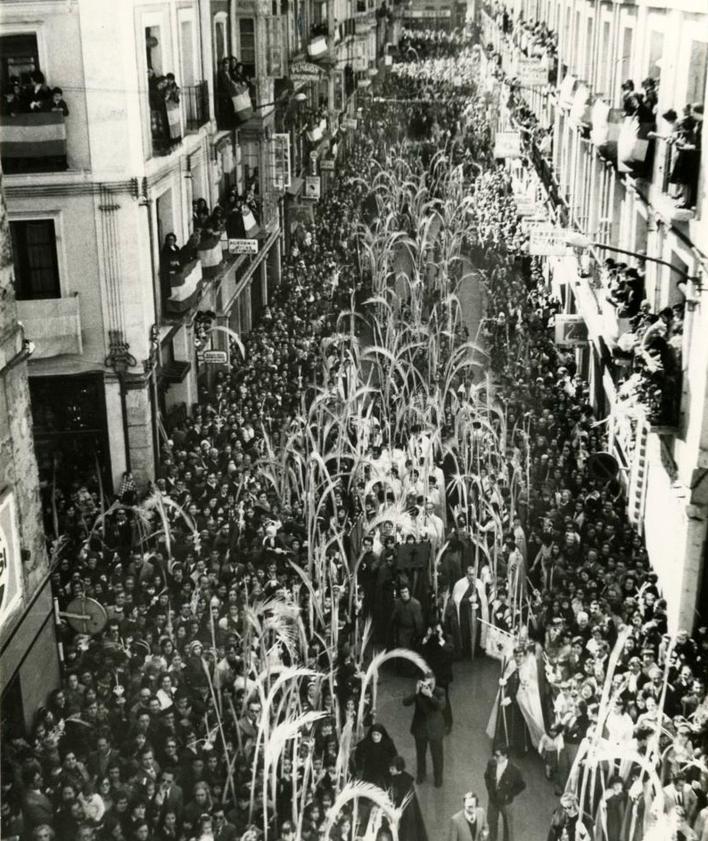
(576, 239)
(299, 97)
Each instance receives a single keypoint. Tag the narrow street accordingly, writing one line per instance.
(467, 750)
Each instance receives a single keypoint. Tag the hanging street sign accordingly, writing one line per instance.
(507, 144)
(215, 357)
(313, 187)
(243, 246)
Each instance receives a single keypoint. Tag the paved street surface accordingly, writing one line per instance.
(467, 750)
(472, 304)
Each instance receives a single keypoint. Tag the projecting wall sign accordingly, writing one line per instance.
(10, 559)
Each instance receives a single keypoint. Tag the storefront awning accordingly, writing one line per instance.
(295, 188)
(566, 90)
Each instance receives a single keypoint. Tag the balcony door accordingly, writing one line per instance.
(19, 58)
(34, 249)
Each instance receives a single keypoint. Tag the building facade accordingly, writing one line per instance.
(95, 186)
(29, 665)
(613, 128)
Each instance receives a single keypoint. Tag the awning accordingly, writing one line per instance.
(632, 144)
(580, 112)
(565, 91)
(295, 188)
(606, 123)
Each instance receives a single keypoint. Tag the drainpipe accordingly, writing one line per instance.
(146, 202)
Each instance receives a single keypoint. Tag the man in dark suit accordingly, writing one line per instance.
(428, 726)
(504, 784)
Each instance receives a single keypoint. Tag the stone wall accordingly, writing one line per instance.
(18, 466)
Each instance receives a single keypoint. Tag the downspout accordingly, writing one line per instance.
(146, 202)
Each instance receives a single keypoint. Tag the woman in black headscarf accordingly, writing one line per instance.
(412, 825)
(373, 756)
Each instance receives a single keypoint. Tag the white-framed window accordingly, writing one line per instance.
(247, 42)
(221, 37)
(38, 255)
(189, 70)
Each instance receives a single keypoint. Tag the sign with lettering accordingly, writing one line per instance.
(243, 246)
(215, 357)
(546, 241)
(279, 159)
(350, 123)
(507, 144)
(526, 206)
(10, 558)
(531, 72)
(570, 330)
(313, 187)
(307, 69)
(327, 165)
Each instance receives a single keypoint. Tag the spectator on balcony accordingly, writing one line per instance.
(651, 94)
(200, 213)
(37, 94)
(627, 89)
(686, 139)
(224, 92)
(633, 294)
(14, 100)
(56, 103)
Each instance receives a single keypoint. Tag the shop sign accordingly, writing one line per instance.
(215, 357)
(313, 187)
(10, 558)
(305, 68)
(548, 242)
(526, 206)
(570, 330)
(279, 155)
(507, 144)
(304, 72)
(243, 246)
(531, 72)
(327, 165)
(430, 14)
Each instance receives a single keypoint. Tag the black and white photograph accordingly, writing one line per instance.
(353, 420)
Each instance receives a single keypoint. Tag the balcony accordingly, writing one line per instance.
(34, 142)
(185, 284)
(53, 324)
(195, 106)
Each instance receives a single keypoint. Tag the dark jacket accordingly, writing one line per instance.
(428, 719)
(510, 784)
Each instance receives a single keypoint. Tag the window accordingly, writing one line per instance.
(186, 37)
(247, 41)
(656, 48)
(35, 252)
(603, 77)
(153, 50)
(220, 43)
(20, 57)
(697, 72)
(588, 52)
(625, 62)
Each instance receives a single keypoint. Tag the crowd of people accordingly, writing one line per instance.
(30, 94)
(296, 521)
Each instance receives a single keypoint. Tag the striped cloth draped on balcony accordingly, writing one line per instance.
(35, 135)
